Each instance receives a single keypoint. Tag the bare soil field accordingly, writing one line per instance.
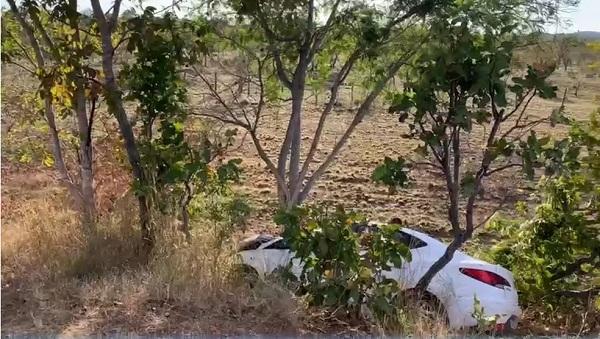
(348, 181)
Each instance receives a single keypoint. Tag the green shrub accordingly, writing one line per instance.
(343, 270)
(554, 251)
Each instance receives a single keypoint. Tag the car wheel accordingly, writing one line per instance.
(507, 329)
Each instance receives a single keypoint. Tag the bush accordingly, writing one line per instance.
(557, 249)
(554, 255)
(343, 270)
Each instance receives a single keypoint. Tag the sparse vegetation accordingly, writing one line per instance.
(139, 145)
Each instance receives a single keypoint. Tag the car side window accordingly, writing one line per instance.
(280, 244)
(409, 240)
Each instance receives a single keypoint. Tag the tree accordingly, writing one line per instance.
(285, 44)
(56, 54)
(460, 87)
(106, 23)
(167, 170)
(336, 272)
(585, 63)
(564, 48)
(176, 167)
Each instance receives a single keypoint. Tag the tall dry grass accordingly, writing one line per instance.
(57, 280)
(416, 315)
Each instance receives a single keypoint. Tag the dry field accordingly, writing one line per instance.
(175, 295)
(347, 181)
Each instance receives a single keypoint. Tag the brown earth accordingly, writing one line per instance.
(348, 181)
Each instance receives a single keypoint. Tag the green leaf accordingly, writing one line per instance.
(323, 247)
(400, 102)
(392, 173)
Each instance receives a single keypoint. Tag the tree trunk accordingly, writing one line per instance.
(440, 263)
(148, 234)
(450, 162)
(85, 157)
(115, 105)
(82, 197)
(295, 149)
(184, 202)
(293, 141)
(85, 135)
(114, 101)
(363, 109)
(59, 162)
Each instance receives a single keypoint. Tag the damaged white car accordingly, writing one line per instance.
(455, 287)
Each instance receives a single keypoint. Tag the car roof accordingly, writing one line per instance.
(259, 240)
(422, 236)
(439, 246)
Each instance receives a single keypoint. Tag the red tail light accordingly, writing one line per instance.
(487, 277)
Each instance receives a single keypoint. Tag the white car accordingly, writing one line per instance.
(455, 287)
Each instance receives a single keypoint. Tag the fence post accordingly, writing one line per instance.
(215, 81)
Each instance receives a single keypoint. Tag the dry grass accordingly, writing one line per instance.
(55, 280)
(416, 315)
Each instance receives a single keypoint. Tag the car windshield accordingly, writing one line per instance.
(280, 244)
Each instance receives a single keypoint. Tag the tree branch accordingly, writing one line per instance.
(22, 48)
(221, 119)
(501, 168)
(426, 163)
(342, 74)
(362, 111)
(115, 14)
(585, 294)
(574, 267)
(45, 37)
(215, 94)
(319, 36)
(518, 104)
(281, 71)
(28, 29)
(32, 72)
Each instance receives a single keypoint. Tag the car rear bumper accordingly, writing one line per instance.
(501, 311)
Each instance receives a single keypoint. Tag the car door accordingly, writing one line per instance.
(277, 255)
